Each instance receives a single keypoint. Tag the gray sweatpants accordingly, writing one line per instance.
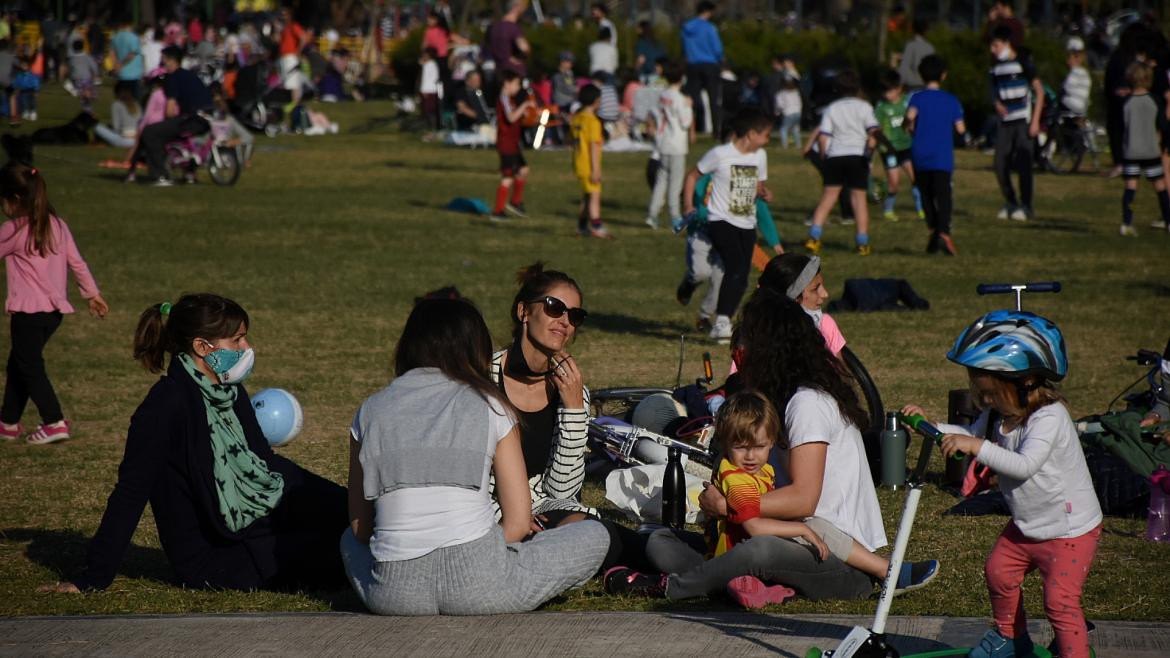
(771, 559)
(668, 185)
(484, 576)
(704, 264)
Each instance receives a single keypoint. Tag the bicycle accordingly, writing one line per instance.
(188, 153)
(1066, 142)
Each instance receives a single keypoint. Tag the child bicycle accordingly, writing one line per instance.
(187, 154)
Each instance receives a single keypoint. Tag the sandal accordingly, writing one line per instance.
(10, 432)
(51, 433)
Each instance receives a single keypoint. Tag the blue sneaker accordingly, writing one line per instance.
(994, 645)
(915, 575)
(679, 223)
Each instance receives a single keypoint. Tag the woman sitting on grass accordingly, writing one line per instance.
(230, 512)
(423, 538)
(786, 359)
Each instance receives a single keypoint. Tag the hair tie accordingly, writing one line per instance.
(164, 308)
(33, 171)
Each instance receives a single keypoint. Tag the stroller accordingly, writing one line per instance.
(256, 105)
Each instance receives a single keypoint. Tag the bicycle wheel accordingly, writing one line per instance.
(1067, 150)
(224, 166)
(872, 399)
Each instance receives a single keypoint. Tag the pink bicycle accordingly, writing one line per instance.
(190, 152)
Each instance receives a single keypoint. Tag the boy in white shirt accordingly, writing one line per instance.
(1078, 83)
(738, 170)
(848, 132)
(674, 130)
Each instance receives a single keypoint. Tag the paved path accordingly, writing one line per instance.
(604, 634)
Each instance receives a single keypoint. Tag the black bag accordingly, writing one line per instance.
(878, 295)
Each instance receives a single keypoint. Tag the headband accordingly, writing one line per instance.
(164, 308)
(806, 276)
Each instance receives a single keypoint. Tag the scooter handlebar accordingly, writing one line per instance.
(1002, 288)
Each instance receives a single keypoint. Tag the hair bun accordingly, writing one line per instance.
(530, 273)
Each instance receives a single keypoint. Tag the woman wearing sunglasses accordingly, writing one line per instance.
(539, 377)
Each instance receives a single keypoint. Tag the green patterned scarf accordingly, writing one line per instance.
(247, 489)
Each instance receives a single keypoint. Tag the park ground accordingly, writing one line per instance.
(327, 240)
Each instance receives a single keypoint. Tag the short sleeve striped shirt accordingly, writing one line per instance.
(1012, 80)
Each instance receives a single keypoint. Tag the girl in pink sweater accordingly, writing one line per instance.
(37, 248)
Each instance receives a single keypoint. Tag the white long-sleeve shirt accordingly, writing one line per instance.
(1042, 473)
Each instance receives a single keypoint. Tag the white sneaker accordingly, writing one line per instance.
(1128, 231)
(32, 115)
(651, 222)
(721, 330)
(1019, 215)
(1003, 213)
(1158, 224)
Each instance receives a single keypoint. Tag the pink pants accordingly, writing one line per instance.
(1064, 564)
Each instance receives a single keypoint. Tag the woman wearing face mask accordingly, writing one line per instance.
(230, 513)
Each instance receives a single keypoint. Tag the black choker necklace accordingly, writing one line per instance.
(517, 365)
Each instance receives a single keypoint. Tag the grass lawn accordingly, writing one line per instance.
(327, 240)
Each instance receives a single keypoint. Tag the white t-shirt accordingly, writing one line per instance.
(602, 57)
(733, 184)
(1042, 473)
(847, 123)
(788, 102)
(430, 78)
(848, 499)
(412, 522)
(1077, 86)
(674, 116)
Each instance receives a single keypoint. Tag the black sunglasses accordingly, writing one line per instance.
(555, 308)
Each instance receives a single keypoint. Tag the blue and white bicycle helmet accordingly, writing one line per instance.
(1013, 343)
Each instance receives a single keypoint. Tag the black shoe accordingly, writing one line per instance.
(516, 209)
(499, 217)
(685, 290)
(624, 580)
(932, 245)
(703, 325)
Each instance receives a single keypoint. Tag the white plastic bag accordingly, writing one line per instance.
(637, 491)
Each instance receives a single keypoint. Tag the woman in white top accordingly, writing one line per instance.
(784, 357)
(125, 113)
(423, 538)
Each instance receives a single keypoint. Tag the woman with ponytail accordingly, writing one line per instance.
(38, 252)
(230, 512)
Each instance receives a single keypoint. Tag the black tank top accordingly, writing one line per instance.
(536, 432)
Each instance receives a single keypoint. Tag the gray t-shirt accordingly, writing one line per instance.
(7, 62)
(1141, 125)
(916, 50)
(82, 68)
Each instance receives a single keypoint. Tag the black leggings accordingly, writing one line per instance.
(734, 246)
(935, 188)
(27, 377)
(627, 547)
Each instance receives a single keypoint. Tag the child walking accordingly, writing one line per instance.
(847, 136)
(738, 171)
(746, 433)
(1019, 101)
(513, 167)
(932, 118)
(674, 130)
(1142, 155)
(587, 138)
(83, 74)
(37, 248)
(1012, 359)
(891, 115)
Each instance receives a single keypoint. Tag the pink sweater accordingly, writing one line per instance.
(36, 284)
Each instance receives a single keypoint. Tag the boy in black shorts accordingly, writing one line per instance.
(1142, 155)
(513, 167)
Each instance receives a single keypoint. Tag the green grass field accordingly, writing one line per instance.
(327, 240)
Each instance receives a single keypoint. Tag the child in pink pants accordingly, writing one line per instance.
(1012, 358)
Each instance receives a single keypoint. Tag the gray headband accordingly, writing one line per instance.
(806, 276)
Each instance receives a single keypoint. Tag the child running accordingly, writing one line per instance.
(738, 170)
(587, 138)
(848, 133)
(1012, 359)
(746, 433)
(891, 114)
(37, 248)
(1142, 153)
(513, 167)
(933, 117)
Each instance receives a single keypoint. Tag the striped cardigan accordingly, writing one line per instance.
(559, 486)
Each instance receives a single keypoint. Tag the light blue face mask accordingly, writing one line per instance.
(232, 366)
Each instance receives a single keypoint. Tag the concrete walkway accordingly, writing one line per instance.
(603, 634)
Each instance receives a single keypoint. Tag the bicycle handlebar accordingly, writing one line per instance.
(1002, 288)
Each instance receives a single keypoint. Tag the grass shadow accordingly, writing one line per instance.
(620, 323)
(432, 166)
(63, 552)
(1059, 225)
(1151, 288)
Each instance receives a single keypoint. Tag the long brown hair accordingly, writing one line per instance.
(172, 327)
(535, 282)
(24, 188)
(449, 334)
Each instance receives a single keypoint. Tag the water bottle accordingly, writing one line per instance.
(674, 491)
(893, 452)
(1158, 522)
